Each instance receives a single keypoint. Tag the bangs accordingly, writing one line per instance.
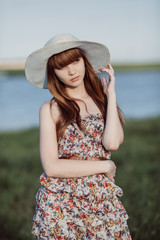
(67, 57)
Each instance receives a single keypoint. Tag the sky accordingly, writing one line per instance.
(130, 29)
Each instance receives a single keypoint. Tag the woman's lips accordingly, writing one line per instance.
(75, 79)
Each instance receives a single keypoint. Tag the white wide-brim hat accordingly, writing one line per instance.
(35, 66)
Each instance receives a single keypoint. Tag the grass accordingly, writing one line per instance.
(138, 173)
(139, 176)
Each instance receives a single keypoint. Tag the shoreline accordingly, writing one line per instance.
(17, 67)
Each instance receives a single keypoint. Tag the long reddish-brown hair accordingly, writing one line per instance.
(69, 109)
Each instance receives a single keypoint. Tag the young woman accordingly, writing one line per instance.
(79, 126)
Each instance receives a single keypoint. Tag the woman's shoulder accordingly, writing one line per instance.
(50, 110)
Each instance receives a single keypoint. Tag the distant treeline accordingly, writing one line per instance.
(117, 67)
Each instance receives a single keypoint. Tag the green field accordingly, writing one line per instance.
(138, 174)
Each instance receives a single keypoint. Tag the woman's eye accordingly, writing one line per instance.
(59, 68)
(77, 60)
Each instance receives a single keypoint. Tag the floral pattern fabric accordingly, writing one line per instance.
(85, 143)
(84, 207)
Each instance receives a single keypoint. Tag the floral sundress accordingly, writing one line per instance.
(84, 207)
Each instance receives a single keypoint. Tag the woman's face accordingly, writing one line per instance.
(72, 75)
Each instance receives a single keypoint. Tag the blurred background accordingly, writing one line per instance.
(131, 31)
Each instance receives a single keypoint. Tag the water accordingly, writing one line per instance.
(138, 95)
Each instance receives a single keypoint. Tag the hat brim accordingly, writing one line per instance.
(35, 66)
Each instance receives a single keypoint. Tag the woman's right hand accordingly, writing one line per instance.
(111, 170)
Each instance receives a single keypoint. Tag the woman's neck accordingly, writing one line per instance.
(78, 92)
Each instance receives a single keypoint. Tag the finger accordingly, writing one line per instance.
(113, 180)
(107, 70)
(104, 80)
(110, 178)
(110, 67)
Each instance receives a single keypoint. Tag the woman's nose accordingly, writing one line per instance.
(71, 69)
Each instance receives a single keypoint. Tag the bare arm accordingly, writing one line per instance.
(55, 167)
(113, 133)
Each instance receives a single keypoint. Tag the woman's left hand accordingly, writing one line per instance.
(110, 86)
